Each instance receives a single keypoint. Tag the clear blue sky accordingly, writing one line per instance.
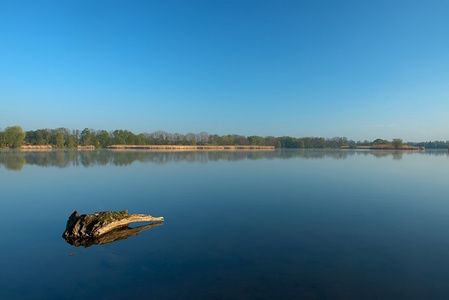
(360, 69)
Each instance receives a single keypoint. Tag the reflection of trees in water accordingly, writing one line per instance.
(90, 158)
(397, 154)
(15, 160)
(437, 152)
(316, 154)
(58, 158)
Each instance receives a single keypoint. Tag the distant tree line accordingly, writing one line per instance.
(431, 145)
(14, 137)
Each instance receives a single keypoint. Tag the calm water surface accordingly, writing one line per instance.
(238, 225)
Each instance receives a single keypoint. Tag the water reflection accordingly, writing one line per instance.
(15, 160)
(112, 236)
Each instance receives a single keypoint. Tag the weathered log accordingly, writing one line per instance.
(104, 227)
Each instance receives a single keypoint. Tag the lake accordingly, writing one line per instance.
(290, 224)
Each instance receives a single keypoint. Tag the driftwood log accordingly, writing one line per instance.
(105, 227)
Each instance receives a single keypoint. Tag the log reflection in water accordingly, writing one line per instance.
(118, 234)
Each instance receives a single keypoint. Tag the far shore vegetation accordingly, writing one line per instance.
(16, 137)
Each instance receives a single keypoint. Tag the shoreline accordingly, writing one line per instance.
(191, 148)
(49, 148)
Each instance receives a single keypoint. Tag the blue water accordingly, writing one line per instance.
(298, 224)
